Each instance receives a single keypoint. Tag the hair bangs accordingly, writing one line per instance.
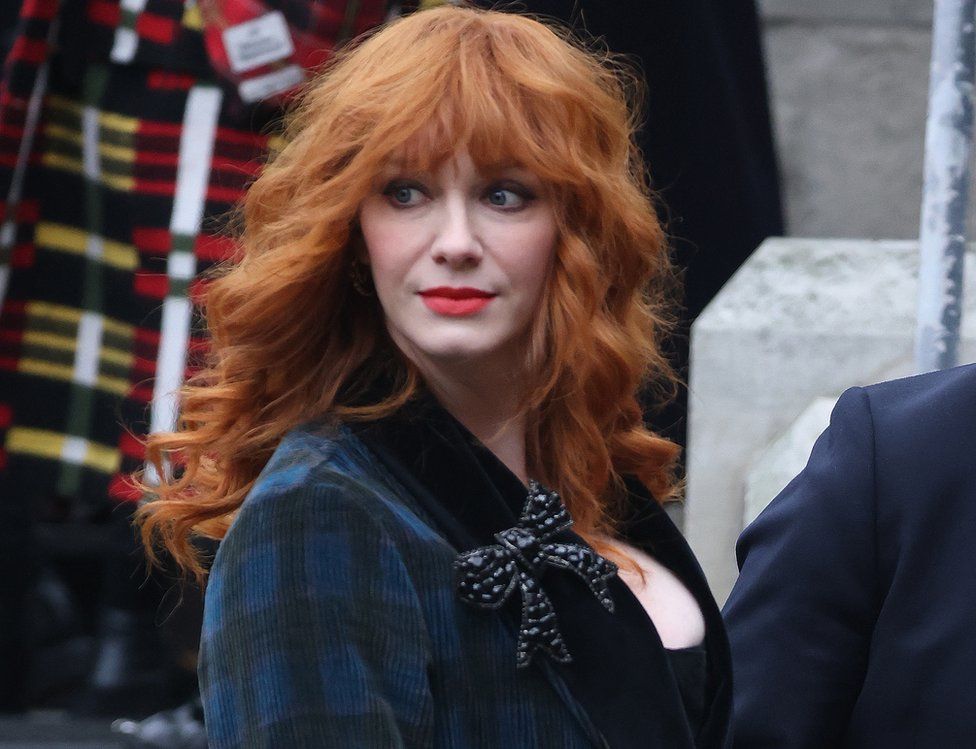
(483, 92)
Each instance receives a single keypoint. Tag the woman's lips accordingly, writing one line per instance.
(456, 302)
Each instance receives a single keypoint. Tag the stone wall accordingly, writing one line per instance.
(848, 84)
(803, 319)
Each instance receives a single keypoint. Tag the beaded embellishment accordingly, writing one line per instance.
(488, 575)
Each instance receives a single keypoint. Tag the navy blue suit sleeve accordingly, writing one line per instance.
(313, 632)
(801, 613)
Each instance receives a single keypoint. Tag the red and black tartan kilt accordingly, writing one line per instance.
(114, 202)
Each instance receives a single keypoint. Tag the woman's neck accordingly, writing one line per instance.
(490, 412)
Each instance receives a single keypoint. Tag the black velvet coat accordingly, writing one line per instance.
(620, 672)
(333, 617)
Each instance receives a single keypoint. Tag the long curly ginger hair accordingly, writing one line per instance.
(290, 340)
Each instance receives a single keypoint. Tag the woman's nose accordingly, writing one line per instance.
(456, 242)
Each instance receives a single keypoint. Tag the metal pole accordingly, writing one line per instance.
(948, 143)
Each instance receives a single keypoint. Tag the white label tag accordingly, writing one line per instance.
(256, 89)
(255, 43)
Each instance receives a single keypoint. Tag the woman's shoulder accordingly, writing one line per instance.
(312, 454)
(321, 473)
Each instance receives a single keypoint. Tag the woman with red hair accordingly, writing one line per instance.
(417, 432)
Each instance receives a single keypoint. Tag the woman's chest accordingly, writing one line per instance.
(617, 682)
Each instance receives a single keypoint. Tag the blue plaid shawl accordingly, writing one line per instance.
(332, 618)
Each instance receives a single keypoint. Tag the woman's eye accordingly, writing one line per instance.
(508, 197)
(402, 195)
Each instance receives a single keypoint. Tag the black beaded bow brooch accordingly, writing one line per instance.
(488, 575)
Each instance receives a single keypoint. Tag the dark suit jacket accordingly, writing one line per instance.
(853, 622)
(332, 618)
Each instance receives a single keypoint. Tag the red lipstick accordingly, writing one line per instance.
(456, 302)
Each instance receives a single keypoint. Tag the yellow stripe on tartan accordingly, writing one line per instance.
(119, 153)
(37, 442)
(73, 315)
(120, 122)
(114, 356)
(50, 340)
(117, 385)
(192, 18)
(64, 104)
(46, 369)
(110, 150)
(120, 255)
(75, 241)
(117, 328)
(44, 444)
(39, 368)
(54, 312)
(60, 237)
(59, 161)
(63, 133)
(115, 181)
(64, 343)
(103, 458)
(118, 182)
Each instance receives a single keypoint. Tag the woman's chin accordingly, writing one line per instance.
(464, 356)
(456, 355)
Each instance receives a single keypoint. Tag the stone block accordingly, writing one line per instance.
(881, 12)
(784, 458)
(802, 319)
(848, 106)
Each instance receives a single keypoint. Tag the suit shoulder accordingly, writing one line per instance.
(932, 402)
